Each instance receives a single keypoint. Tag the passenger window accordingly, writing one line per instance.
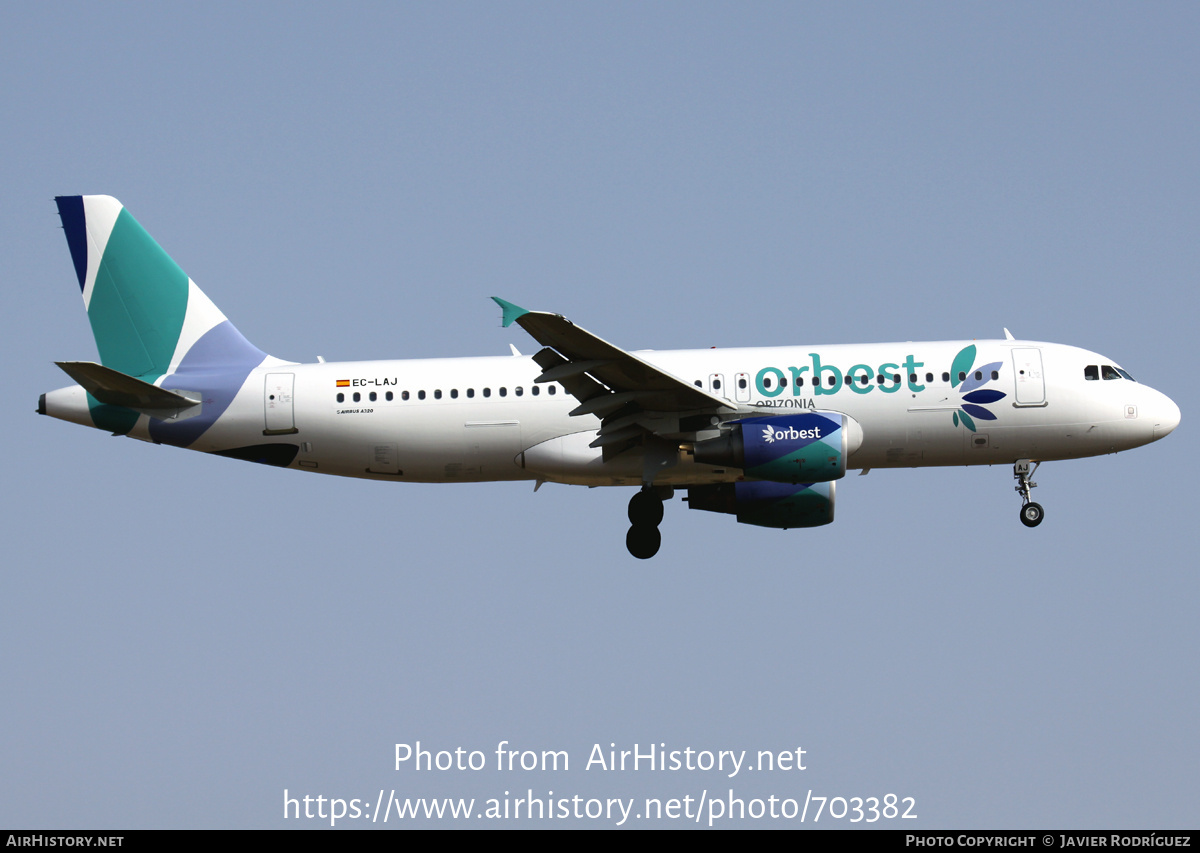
(697, 384)
(487, 392)
(995, 374)
(518, 391)
(503, 392)
(420, 395)
(961, 376)
(453, 393)
(341, 398)
(373, 397)
(978, 375)
(945, 377)
(553, 389)
(879, 379)
(403, 395)
(470, 392)
(783, 383)
(535, 390)
(388, 396)
(357, 396)
(437, 394)
(742, 384)
(716, 384)
(767, 382)
(928, 377)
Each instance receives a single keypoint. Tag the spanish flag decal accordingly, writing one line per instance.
(343, 383)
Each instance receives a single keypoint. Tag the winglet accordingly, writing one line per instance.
(511, 312)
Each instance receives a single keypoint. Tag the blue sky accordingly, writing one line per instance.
(183, 637)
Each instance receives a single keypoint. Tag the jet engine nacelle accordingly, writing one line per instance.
(806, 448)
(768, 504)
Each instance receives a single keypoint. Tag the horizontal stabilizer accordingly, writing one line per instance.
(117, 389)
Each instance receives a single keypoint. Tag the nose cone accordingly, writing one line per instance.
(1164, 415)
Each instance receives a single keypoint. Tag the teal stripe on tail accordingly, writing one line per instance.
(136, 296)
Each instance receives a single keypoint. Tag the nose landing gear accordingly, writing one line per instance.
(645, 513)
(1031, 513)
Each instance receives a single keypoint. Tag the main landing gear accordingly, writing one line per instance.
(1031, 513)
(645, 514)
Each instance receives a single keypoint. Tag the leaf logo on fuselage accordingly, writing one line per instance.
(975, 396)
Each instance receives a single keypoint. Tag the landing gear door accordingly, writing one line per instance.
(1027, 372)
(277, 399)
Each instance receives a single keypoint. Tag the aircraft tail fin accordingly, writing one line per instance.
(148, 318)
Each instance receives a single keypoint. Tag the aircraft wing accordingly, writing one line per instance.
(632, 397)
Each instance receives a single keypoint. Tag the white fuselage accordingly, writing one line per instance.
(484, 419)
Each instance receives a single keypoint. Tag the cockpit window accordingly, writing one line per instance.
(1106, 371)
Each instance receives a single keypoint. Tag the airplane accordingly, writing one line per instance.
(762, 434)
